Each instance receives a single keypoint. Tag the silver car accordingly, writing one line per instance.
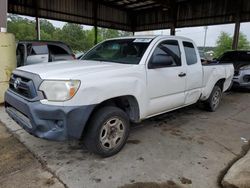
(241, 62)
(34, 52)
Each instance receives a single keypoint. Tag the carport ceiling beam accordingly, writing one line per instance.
(3, 15)
(165, 3)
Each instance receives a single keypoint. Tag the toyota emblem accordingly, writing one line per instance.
(17, 83)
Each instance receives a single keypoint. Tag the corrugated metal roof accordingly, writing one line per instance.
(135, 15)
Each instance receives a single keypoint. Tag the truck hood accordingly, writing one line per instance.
(71, 69)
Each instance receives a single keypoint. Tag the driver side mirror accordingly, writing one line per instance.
(160, 61)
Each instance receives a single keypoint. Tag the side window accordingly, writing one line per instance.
(166, 54)
(191, 56)
(39, 49)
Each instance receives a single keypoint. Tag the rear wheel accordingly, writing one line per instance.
(214, 99)
(107, 132)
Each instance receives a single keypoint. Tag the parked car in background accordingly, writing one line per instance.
(241, 62)
(118, 81)
(35, 52)
(204, 59)
(79, 55)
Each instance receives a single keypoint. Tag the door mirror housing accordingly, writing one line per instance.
(160, 61)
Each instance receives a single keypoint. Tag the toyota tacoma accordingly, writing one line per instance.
(117, 82)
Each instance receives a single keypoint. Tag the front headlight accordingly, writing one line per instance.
(245, 67)
(59, 90)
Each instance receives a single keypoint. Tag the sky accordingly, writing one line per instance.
(195, 33)
(198, 33)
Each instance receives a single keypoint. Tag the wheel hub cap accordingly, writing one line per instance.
(112, 133)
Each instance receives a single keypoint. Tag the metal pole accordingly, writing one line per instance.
(38, 32)
(3, 15)
(205, 37)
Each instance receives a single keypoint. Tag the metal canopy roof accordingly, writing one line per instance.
(136, 15)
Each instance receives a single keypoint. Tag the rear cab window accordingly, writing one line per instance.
(190, 53)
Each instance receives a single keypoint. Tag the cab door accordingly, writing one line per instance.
(166, 78)
(37, 53)
(194, 73)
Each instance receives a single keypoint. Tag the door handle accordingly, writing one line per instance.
(182, 74)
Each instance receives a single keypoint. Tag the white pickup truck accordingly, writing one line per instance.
(118, 81)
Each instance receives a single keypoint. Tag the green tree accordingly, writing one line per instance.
(243, 42)
(47, 29)
(73, 35)
(225, 41)
(23, 29)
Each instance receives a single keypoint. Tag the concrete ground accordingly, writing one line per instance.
(18, 166)
(185, 148)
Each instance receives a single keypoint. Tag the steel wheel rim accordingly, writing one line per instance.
(112, 133)
(216, 99)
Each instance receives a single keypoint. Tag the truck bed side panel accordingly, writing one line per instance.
(212, 74)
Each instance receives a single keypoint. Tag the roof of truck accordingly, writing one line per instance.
(152, 37)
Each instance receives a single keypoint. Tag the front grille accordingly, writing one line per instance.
(22, 86)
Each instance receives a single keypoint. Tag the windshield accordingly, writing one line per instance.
(127, 51)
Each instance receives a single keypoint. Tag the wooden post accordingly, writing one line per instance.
(3, 15)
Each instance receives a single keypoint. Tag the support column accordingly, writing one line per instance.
(205, 37)
(236, 35)
(3, 15)
(38, 33)
(237, 25)
(95, 20)
(96, 33)
(174, 11)
(172, 30)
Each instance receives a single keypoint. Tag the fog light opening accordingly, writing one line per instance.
(59, 123)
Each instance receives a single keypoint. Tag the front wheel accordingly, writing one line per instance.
(214, 99)
(107, 131)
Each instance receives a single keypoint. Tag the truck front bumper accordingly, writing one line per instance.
(48, 121)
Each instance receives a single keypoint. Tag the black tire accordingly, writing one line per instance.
(97, 128)
(212, 103)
